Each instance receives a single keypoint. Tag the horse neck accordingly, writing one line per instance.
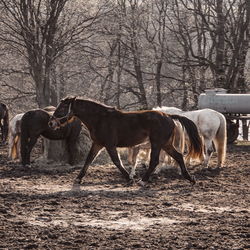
(88, 112)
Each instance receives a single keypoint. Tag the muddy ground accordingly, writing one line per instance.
(39, 209)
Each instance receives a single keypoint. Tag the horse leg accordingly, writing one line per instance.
(2, 131)
(116, 160)
(71, 141)
(71, 146)
(4, 134)
(11, 146)
(132, 159)
(26, 150)
(130, 155)
(162, 157)
(187, 157)
(154, 161)
(18, 147)
(95, 149)
(209, 149)
(179, 159)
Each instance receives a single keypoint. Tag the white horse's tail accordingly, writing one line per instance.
(221, 140)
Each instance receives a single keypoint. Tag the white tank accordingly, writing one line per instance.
(220, 101)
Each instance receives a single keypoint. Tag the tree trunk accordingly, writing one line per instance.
(220, 48)
(158, 83)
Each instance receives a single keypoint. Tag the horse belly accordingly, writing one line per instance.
(209, 126)
(132, 138)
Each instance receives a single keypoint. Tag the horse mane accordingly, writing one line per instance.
(95, 103)
(168, 109)
(49, 108)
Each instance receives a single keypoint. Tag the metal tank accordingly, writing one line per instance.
(220, 101)
(235, 107)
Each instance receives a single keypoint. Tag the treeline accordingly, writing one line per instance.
(126, 53)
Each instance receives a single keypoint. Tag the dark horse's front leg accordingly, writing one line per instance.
(95, 148)
(72, 140)
(72, 149)
(116, 160)
(26, 150)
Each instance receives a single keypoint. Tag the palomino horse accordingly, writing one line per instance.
(179, 144)
(14, 137)
(112, 128)
(4, 122)
(35, 123)
(212, 127)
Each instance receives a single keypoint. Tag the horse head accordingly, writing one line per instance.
(63, 113)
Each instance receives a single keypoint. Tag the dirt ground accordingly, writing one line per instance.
(40, 209)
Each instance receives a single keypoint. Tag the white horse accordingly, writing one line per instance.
(179, 144)
(14, 137)
(212, 127)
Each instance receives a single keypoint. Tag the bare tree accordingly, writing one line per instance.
(155, 27)
(214, 37)
(42, 31)
(130, 12)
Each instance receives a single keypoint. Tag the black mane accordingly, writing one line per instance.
(92, 102)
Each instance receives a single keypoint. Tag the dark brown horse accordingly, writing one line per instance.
(35, 123)
(4, 122)
(112, 128)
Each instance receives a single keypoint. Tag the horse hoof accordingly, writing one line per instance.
(142, 183)
(76, 187)
(77, 181)
(193, 180)
(131, 181)
(27, 166)
(131, 176)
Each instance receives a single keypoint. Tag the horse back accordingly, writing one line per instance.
(132, 128)
(35, 120)
(35, 123)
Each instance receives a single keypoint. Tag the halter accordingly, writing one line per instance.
(67, 117)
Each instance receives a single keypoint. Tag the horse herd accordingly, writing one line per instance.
(165, 131)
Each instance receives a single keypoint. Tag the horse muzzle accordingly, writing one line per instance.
(54, 124)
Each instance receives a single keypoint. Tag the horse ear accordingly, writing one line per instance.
(71, 102)
(69, 99)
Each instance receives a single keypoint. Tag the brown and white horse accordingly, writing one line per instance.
(14, 137)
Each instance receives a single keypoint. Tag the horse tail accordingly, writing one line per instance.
(5, 124)
(195, 144)
(221, 140)
(179, 140)
(14, 148)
